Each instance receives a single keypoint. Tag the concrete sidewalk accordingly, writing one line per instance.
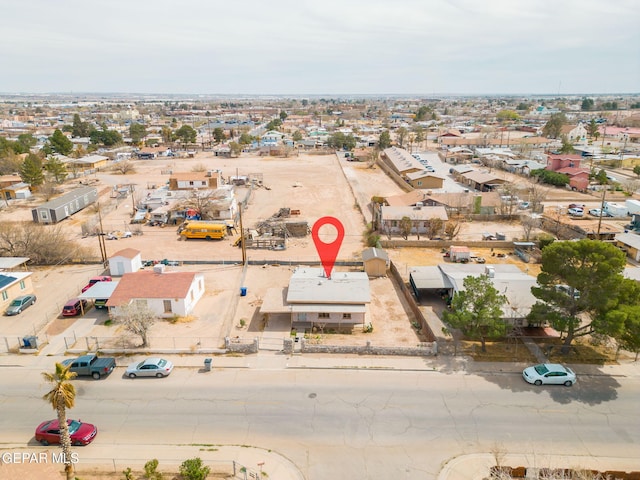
(258, 462)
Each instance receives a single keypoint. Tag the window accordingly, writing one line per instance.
(22, 286)
(346, 316)
(419, 182)
(324, 315)
(5, 295)
(43, 214)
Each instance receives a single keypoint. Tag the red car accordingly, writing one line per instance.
(74, 307)
(94, 280)
(81, 433)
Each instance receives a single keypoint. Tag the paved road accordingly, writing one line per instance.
(335, 423)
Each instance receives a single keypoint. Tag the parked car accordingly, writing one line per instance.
(549, 374)
(576, 212)
(596, 212)
(74, 307)
(524, 205)
(81, 433)
(150, 367)
(94, 280)
(100, 302)
(577, 205)
(19, 304)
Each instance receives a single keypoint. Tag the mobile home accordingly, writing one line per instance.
(64, 206)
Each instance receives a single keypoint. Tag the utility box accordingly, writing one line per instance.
(30, 342)
(207, 364)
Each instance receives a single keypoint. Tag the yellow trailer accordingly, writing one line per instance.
(208, 231)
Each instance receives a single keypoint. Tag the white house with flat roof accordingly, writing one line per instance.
(313, 300)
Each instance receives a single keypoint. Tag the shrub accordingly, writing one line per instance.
(193, 469)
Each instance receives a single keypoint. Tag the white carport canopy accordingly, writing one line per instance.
(99, 290)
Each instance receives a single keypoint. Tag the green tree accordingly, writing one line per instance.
(61, 397)
(137, 132)
(629, 336)
(567, 146)
(385, 140)
(592, 128)
(401, 134)
(283, 115)
(31, 170)
(274, 124)
(245, 139)
(636, 170)
(477, 310)
(185, 134)
(105, 137)
(25, 142)
(422, 113)
(59, 143)
(341, 141)
(580, 285)
(553, 127)
(56, 168)
(601, 177)
(80, 128)
(297, 136)
(551, 178)
(194, 469)
(218, 134)
(587, 104)
(522, 106)
(507, 116)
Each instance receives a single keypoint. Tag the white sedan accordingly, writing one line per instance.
(549, 373)
(151, 367)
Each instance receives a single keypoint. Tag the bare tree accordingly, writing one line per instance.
(199, 167)
(43, 244)
(124, 167)
(373, 156)
(434, 227)
(405, 227)
(452, 228)
(528, 224)
(537, 194)
(630, 186)
(508, 199)
(137, 319)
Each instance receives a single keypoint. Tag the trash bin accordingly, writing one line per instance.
(207, 364)
(30, 342)
(243, 291)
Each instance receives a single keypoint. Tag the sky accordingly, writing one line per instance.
(315, 47)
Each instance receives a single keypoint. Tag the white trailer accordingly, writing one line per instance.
(633, 206)
(616, 209)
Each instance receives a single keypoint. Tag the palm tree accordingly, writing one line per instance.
(61, 397)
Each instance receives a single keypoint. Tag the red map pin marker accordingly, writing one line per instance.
(328, 252)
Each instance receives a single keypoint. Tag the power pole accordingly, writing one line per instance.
(103, 247)
(242, 238)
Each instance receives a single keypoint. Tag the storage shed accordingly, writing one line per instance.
(376, 262)
(127, 260)
(64, 206)
(459, 254)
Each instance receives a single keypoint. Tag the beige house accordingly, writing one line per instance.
(195, 180)
(424, 180)
(12, 285)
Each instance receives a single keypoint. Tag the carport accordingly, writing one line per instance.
(99, 290)
(425, 280)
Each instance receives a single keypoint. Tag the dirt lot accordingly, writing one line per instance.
(315, 185)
